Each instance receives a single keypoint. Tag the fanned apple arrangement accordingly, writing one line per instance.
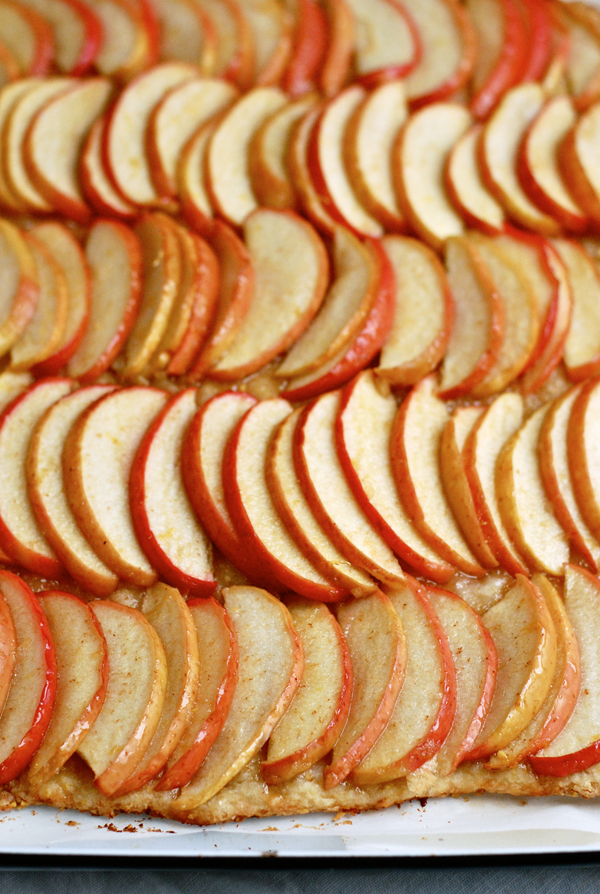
(299, 401)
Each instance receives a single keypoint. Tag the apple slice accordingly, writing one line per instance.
(582, 73)
(524, 635)
(76, 30)
(106, 437)
(498, 157)
(218, 674)
(539, 24)
(336, 67)
(67, 252)
(582, 346)
(370, 139)
(316, 717)
(95, 182)
(418, 162)
(476, 664)
(492, 430)
(228, 175)
(186, 33)
(45, 487)
(28, 37)
(13, 385)
(414, 447)
(501, 52)
(556, 477)
(363, 431)
(20, 286)
(577, 746)
(378, 654)
(387, 43)
(454, 480)
(135, 695)
(49, 322)
(423, 315)
(175, 120)
(309, 46)
(300, 174)
(271, 27)
(114, 258)
(577, 161)
(164, 521)
(9, 67)
(466, 189)
(322, 479)
(478, 327)
(192, 186)
(125, 133)
(270, 671)
(8, 651)
(82, 679)
(538, 165)
(28, 708)
(425, 709)
(581, 450)
(9, 97)
(22, 538)
(448, 50)
(554, 714)
(54, 141)
(234, 44)
(291, 274)
(128, 46)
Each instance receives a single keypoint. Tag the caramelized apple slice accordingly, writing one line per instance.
(466, 189)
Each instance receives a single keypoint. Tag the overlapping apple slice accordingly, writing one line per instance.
(20, 287)
(308, 48)
(28, 37)
(82, 679)
(581, 451)
(466, 189)
(76, 30)
(234, 45)
(539, 24)
(582, 345)
(270, 670)
(185, 33)
(387, 42)
(377, 649)
(501, 52)
(318, 713)
(300, 175)
(9, 67)
(582, 71)
(271, 25)
(128, 45)
(192, 188)
(578, 162)
(337, 64)
(8, 650)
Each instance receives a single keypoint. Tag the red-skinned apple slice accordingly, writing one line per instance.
(291, 275)
(22, 538)
(387, 40)
(271, 25)
(582, 346)
(234, 45)
(582, 71)
(578, 162)
(418, 161)
(45, 486)
(128, 44)
(9, 97)
(20, 286)
(192, 188)
(30, 702)
(217, 644)
(106, 436)
(166, 526)
(378, 654)
(114, 259)
(186, 33)
(414, 447)
(476, 664)
(363, 431)
(478, 326)
(82, 679)
(577, 746)
(135, 696)
(581, 448)
(322, 479)
(76, 30)
(297, 162)
(270, 671)
(425, 709)
(54, 141)
(501, 52)
(423, 314)
(309, 46)
(28, 37)
(8, 651)
(336, 66)
(94, 179)
(467, 191)
(317, 715)
(538, 22)
(523, 632)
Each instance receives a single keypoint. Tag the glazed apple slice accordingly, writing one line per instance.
(309, 46)
(501, 55)
(578, 160)
(54, 141)
(128, 46)
(423, 313)
(582, 346)
(271, 27)
(425, 709)
(30, 702)
(377, 648)
(67, 252)
(369, 142)
(192, 186)
(414, 447)
(270, 670)
(166, 526)
(316, 717)
(114, 257)
(476, 665)
(538, 167)
(418, 161)
(125, 134)
(218, 674)
(363, 431)
(135, 696)
(185, 33)
(297, 161)
(76, 30)
(524, 635)
(448, 50)
(482, 447)
(478, 328)
(554, 714)
(556, 477)
(322, 479)
(387, 42)
(107, 435)
(291, 275)
(95, 182)
(28, 37)
(45, 487)
(466, 189)
(228, 176)
(82, 678)
(576, 747)
(22, 537)
(337, 64)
